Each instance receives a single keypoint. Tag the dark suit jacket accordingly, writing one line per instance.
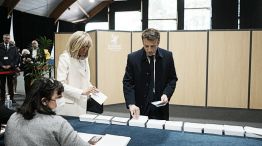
(136, 80)
(12, 54)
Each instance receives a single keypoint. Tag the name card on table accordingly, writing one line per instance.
(103, 119)
(120, 121)
(157, 124)
(213, 129)
(174, 125)
(193, 127)
(87, 117)
(234, 130)
(253, 132)
(139, 122)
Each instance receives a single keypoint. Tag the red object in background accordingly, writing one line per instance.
(7, 72)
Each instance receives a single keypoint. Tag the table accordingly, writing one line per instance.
(157, 137)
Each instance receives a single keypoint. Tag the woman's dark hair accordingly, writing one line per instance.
(41, 88)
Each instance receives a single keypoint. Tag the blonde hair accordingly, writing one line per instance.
(78, 40)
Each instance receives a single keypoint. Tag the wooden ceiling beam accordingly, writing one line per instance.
(60, 9)
(94, 11)
(10, 5)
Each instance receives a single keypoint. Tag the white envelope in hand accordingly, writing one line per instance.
(158, 103)
(99, 97)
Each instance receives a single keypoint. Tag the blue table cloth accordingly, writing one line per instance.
(157, 137)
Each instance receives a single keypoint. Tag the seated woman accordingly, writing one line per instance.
(36, 123)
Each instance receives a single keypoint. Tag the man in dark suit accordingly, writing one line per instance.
(8, 62)
(150, 76)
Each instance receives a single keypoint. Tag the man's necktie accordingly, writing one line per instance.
(152, 80)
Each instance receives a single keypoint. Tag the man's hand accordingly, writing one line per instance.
(134, 111)
(164, 99)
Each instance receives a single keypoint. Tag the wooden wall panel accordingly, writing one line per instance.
(60, 46)
(112, 51)
(190, 56)
(92, 59)
(138, 44)
(256, 71)
(228, 69)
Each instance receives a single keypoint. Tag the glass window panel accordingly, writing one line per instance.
(163, 24)
(129, 21)
(197, 3)
(197, 19)
(162, 9)
(96, 25)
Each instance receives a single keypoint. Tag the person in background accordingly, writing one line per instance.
(8, 62)
(26, 61)
(73, 71)
(36, 52)
(28, 58)
(150, 75)
(17, 67)
(36, 123)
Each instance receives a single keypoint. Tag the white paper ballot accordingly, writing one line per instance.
(87, 117)
(174, 125)
(234, 130)
(103, 119)
(253, 132)
(87, 136)
(140, 122)
(99, 97)
(158, 103)
(120, 121)
(213, 129)
(157, 124)
(193, 127)
(113, 140)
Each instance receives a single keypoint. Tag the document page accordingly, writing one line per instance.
(99, 97)
(113, 140)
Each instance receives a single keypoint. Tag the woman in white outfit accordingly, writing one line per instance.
(73, 71)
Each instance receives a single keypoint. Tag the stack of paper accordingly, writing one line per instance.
(158, 103)
(103, 119)
(113, 140)
(253, 132)
(99, 97)
(139, 122)
(87, 117)
(234, 130)
(193, 127)
(86, 136)
(120, 121)
(174, 125)
(157, 124)
(213, 129)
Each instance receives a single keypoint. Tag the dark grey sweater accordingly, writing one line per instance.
(42, 130)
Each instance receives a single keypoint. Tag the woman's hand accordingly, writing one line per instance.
(89, 90)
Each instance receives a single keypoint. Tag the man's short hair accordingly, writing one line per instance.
(151, 34)
(6, 35)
